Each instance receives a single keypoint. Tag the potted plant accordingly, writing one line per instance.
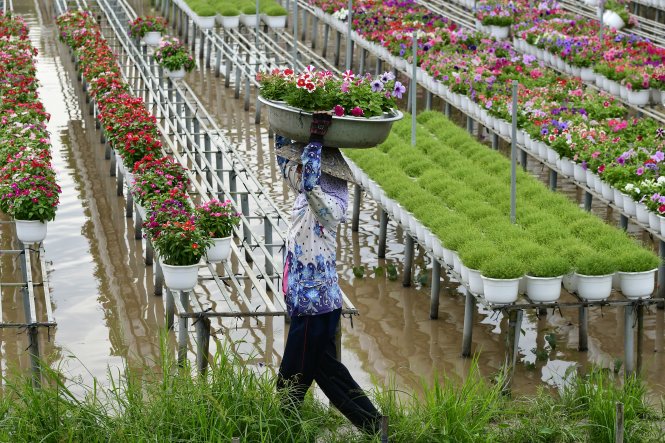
(497, 17)
(544, 276)
(636, 269)
(474, 255)
(594, 276)
(180, 246)
(205, 14)
(364, 106)
(274, 16)
(218, 219)
(148, 28)
(249, 16)
(228, 16)
(174, 57)
(501, 278)
(32, 202)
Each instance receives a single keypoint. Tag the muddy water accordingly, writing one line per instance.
(107, 315)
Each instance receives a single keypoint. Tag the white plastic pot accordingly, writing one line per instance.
(180, 278)
(476, 282)
(274, 21)
(228, 22)
(152, 38)
(178, 74)
(31, 231)
(543, 289)
(220, 249)
(636, 285)
(500, 291)
(594, 287)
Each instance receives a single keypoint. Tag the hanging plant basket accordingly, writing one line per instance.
(345, 131)
(152, 38)
(178, 74)
(30, 231)
(220, 249)
(180, 278)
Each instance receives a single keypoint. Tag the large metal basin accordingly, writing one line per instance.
(345, 132)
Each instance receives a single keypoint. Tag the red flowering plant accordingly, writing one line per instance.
(350, 94)
(28, 188)
(142, 25)
(180, 243)
(217, 218)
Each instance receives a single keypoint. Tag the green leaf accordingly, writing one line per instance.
(359, 271)
(379, 271)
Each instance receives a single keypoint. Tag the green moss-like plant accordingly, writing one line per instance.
(595, 264)
(549, 266)
(228, 11)
(249, 9)
(474, 254)
(503, 268)
(275, 11)
(637, 260)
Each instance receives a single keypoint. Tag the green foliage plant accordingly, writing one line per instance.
(637, 260)
(548, 266)
(595, 264)
(504, 268)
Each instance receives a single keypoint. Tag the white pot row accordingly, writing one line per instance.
(498, 291)
(660, 4)
(636, 97)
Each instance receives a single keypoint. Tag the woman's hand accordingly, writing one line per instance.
(321, 121)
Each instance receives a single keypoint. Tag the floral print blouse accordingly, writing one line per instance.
(310, 282)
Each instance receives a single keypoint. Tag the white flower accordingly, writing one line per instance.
(629, 187)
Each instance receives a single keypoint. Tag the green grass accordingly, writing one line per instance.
(233, 400)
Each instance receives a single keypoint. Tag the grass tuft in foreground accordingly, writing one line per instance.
(234, 400)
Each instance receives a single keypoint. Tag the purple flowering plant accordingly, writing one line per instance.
(217, 218)
(30, 198)
(318, 90)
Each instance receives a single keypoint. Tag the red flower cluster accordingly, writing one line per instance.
(28, 188)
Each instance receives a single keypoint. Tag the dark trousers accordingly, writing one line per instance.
(310, 354)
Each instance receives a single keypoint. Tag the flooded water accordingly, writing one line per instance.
(108, 316)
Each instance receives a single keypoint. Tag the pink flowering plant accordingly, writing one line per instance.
(142, 25)
(217, 218)
(30, 198)
(172, 54)
(350, 94)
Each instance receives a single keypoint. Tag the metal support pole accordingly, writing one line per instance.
(523, 159)
(447, 109)
(379, 66)
(553, 179)
(661, 272)
(338, 39)
(246, 229)
(363, 57)
(355, 221)
(138, 223)
(295, 36)
(170, 309)
(640, 336)
(202, 343)
(315, 31)
(159, 279)
(237, 81)
(583, 328)
(623, 222)
(383, 231)
(513, 158)
(408, 260)
(208, 53)
(149, 253)
(326, 34)
(618, 423)
(257, 114)
(247, 93)
(112, 169)
(267, 240)
(428, 102)
(303, 34)
(588, 198)
(469, 125)
(629, 354)
(434, 295)
(218, 62)
(182, 329)
(227, 73)
(512, 345)
(495, 141)
(467, 334)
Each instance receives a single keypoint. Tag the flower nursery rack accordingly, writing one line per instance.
(192, 136)
(36, 299)
(411, 230)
